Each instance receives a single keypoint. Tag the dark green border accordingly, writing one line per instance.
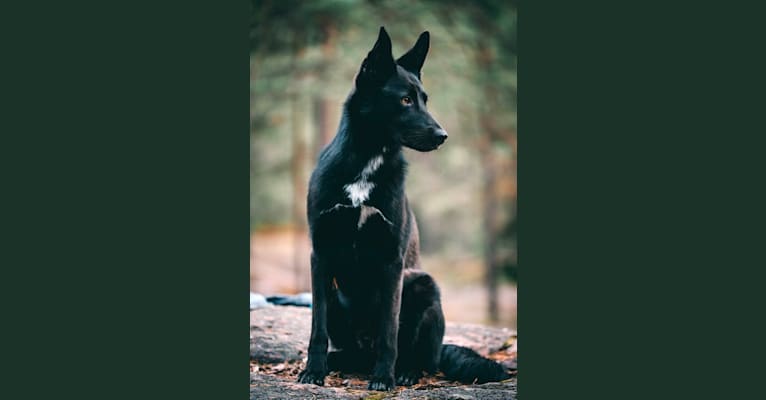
(134, 200)
(127, 201)
(636, 172)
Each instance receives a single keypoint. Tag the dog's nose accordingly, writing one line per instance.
(441, 135)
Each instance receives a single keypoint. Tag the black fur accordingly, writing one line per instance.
(465, 365)
(382, 313)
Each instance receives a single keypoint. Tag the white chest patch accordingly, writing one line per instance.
(359, 191)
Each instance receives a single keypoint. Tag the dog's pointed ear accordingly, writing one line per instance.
(413, 60)
(379, 64)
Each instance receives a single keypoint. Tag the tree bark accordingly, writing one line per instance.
(324, 106)
(299, 190)
(490, 225)
(297, 167)
(486, 142)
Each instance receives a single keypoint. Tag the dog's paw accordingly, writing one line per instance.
(381, 383)
(312, 377)
(408, 378)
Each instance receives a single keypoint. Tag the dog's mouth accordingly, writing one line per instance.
(430, 148)
(425, 141)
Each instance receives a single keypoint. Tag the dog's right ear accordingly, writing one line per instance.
(379, 64)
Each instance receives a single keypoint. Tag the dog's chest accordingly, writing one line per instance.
(358, 191)
(358, 224)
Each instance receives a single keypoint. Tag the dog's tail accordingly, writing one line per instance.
(465, 365)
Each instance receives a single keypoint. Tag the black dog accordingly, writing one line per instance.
(381, 312)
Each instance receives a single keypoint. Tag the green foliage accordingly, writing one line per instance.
(304, 51)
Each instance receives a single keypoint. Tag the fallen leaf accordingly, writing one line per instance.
(278, 367)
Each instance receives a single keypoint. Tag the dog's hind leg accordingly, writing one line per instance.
(421, 328)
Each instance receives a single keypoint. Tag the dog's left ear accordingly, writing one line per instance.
(413, 60)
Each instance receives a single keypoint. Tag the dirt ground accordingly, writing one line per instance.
(279, 264)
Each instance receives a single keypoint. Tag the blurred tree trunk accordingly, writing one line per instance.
(489, 165)
(297, 167)
(490, 224)
(324, 114)
(513, 228)
(254, 69)
(253, 269)
(323, 105)
(299, 187)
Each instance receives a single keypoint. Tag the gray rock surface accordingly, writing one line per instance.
(270, 387)
(279, 339)
(279, 333)
(282, 333)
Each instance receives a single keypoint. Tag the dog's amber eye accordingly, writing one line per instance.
(407, 101)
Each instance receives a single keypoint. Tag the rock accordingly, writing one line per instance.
(271, 387)
(279, 335)
(488, 391)
(511, 364)
(482, 339)
(458, 396)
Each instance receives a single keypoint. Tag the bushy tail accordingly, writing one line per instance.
(465, 365)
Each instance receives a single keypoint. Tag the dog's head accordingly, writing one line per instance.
(390, 95)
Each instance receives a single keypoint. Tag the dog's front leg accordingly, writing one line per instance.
(316, 366)
(391, 299)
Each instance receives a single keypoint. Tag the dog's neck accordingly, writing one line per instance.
(363, 160)
(364, 137)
